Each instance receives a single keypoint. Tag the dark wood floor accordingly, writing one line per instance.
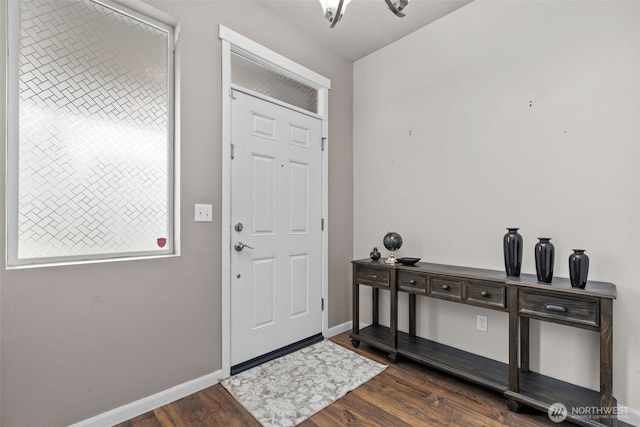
(405, 394)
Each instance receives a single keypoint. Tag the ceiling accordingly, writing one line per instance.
(367, 25)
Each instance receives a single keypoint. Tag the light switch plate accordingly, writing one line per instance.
(203, 213)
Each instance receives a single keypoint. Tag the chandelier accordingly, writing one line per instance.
(334, 9)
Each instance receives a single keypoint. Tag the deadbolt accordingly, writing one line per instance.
(238, 227)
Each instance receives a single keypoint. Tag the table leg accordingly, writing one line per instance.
(607, 401)
(393, 320)
(412, 315)
(355, 310)
(514, 335)
(375, 307)
(524, 344)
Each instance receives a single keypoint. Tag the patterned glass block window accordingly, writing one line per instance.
(91, 148)
(253, 76)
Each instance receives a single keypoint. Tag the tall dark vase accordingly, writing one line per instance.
(545, 254)
(578, 268)
(512, 245)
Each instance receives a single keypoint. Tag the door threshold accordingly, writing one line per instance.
(240, 367)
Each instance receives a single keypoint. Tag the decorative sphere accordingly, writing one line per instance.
(392, 241)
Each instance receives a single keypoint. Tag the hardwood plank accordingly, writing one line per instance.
(196, 412)
(367, 413)
(405, 394)
(148, 419)
(228, 411)
(427, 409)
(171, 415)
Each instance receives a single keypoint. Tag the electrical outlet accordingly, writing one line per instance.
(482, 323)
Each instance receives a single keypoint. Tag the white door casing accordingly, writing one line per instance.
(276, 211)
(237, 43)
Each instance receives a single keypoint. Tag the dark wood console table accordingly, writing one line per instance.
(523, 298)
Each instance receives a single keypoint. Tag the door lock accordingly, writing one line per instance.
(240, 246)
(238, 227)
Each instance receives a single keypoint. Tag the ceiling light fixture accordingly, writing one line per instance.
(396, 6)
(334, 9)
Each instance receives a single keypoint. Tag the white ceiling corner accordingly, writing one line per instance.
(366, 26)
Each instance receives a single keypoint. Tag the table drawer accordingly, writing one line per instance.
(412, 282)
(487, 294)
(373, 276)
(442, 287)
(563, 308)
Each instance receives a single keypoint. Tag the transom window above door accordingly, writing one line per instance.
(254, 76)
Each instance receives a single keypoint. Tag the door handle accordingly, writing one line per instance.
(240, 246)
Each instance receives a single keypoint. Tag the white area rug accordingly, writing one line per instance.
(288, 390)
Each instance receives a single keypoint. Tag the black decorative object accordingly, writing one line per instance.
(512, 245)
(393, 242)
(408, 261)
(545, 254)
(578, 268)
(375, 254)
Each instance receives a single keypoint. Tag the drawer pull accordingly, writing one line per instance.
(554, 307)
(446, 287)
(373, 276)
(412, 282)
(485, 294)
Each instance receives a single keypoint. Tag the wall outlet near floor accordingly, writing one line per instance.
(482, 323)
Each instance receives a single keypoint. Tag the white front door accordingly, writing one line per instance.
(276, 203)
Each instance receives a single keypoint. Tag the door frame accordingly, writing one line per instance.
(237, 43)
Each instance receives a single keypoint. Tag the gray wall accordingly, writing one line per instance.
(79, 340)
(458, 147)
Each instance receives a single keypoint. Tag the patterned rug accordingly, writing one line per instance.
(288, 390)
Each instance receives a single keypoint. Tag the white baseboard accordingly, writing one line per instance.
(338, 329)
(139, 407)
(630, 416)
(343, 327)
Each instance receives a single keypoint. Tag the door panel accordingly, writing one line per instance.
(299, 267)
(263, 194)
(263, 290)
(276, 194)
(299, 184)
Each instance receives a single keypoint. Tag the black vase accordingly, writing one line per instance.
(545, 254)
(375, 254)
(578, 268)
(512, 245)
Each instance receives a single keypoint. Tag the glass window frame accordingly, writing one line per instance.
(12, 161)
